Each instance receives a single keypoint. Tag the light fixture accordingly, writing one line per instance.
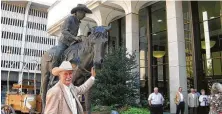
(159, 54)
(159, 20)
(154, 34)
(212, 17)
(142, 82)
(212, 43)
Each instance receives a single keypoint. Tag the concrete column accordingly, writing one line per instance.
(132, 40)
(132, 33)
(176, 51)
(23, 41)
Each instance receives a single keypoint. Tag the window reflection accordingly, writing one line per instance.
(143, 47)
(210, 14)
(159, 47)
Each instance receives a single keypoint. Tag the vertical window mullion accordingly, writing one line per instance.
(9, 7)
(3, 6)
(17, 9)
(3, 34)
(6, 7)
(5, 20)
(9, 21)
(16, 36)
(37, 13)
(12, 9)
(20, 8)
(10, 35)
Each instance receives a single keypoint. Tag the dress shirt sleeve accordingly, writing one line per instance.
(150, 97)
(162, 98)
(92, 77)
(201, 98)
(86, 86)
(197, 101)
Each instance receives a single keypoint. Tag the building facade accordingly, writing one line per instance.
(177, 43)
(23, 41)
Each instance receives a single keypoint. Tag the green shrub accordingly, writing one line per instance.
(116, 83)
(136, 111)
(99, 108)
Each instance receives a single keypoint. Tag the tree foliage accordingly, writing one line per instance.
(116, 82)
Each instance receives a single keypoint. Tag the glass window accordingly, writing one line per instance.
(143, 46)
(159, 47)
(116, 34)
(155, 17)
(212, 8)
(210, 19)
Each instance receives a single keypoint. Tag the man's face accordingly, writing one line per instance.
(155, 90)
(66, 77)
(203, 92)
(180, 89)
(80, 14)
(192, 91)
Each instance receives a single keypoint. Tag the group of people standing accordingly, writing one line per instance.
(197, 103)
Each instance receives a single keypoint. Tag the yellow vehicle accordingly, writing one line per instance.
(18, 100)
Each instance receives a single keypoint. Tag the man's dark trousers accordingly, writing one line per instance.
(203, 110)
(180, 108)
(157, 109)
(193, 110)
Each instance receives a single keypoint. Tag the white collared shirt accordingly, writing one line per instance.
(71, 99)
(156, 98)
(204, 101)
(193, 95)
(181, 97)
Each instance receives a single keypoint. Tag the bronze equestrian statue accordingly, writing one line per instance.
(83, 52)
(69, 31)
(83, 56)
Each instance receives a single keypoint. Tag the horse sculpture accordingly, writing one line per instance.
(83, 56)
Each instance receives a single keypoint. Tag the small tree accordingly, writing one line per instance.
(115, 82)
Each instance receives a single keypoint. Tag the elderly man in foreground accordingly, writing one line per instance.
(156, 102)
(62, 98)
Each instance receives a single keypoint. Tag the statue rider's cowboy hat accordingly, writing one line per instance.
(66, 65)
(81, 7)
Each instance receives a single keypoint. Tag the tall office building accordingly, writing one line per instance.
(23, 41)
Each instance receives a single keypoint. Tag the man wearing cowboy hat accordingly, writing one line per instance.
(62, 97)
(69, 31)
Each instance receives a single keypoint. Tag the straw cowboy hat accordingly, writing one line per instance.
(66, 65)
(81, 7)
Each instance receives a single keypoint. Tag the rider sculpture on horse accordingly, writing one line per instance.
(69, 31)
(81, 51)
